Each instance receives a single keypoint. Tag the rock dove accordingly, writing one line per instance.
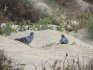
(63, 40)
(26, 40)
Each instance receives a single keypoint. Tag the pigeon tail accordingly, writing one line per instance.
(21, 40)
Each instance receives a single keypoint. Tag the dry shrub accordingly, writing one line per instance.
(2, 12)
(84, 19)
(20, 9)
(71, 63)
(89, 1)
(62, 2)
(7, 63)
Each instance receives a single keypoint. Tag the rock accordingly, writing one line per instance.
(2, 25)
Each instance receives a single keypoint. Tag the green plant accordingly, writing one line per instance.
(25, 25)
(6, 30)
(45, 21)
(84, 19)
(22, 26)
(60, 21)
(42, 24)
(60, 28)
(90, 28)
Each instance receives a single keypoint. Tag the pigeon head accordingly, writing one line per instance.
(32, 33)
(63, 36)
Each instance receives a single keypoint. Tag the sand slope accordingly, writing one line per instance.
(27, 55)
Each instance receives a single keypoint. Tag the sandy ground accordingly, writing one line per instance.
(82, 35)
(30, 56)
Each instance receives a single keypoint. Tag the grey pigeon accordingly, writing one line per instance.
(63, 40)
(26, 40)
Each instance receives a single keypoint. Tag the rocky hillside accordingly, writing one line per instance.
(48, 19)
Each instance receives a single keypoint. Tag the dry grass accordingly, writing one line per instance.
(7, 63)
(70, 63)
(66, 63)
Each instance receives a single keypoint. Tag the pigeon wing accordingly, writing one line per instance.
(21, 40)
(64, 41)
(29, 39)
